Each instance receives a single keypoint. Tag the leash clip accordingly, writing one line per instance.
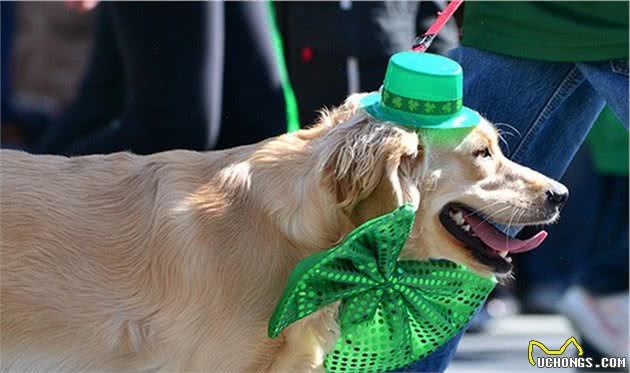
(422, 43)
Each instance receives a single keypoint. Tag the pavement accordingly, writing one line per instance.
(502, 346)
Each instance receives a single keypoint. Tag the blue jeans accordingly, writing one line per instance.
(604, 267)
(551, 268)
(439, 360)
(551, 105)
(549, 108)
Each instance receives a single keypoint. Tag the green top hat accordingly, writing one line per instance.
(421, 90)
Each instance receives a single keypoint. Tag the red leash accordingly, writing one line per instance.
(422, 43)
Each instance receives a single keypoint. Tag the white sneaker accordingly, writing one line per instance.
(602, 320)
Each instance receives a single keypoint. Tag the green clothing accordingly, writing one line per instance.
(608, 142)
(561, 31)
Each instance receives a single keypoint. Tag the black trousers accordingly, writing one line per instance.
(145, 71)
(253, 102)
(146, 90)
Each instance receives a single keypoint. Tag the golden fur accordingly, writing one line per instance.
(175, 261)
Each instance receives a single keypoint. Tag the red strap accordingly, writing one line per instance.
(423, 42)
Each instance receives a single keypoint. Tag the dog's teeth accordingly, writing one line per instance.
(508, 259)
(458, 217)
(503, 254)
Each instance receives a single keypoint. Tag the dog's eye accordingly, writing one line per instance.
(484, 153)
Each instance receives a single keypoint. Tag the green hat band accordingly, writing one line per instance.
(422, 107)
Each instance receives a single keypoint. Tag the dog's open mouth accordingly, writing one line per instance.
(488, 244)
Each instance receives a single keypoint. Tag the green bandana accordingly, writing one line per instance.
(392, 312)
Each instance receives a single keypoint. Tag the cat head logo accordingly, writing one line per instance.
(547, 351)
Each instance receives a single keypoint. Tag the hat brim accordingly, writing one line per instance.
(463, 119)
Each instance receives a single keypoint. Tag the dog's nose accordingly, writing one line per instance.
(557, 195)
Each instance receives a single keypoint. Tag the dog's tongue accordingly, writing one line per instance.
(497, 240)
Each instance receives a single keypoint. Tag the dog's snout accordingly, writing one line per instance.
(557, 195)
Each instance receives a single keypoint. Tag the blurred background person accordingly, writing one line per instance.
(171, 75)
(142, 90)
(542, 68)
(44, 46)
(143, 87)
(597, 300)
(336, 48)
(581, 270)
(254, 104)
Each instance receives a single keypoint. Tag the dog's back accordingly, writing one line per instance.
(98, 262)
(56, 254)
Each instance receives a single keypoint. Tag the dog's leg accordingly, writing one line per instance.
(307, 341)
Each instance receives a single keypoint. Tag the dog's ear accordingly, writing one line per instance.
(371, 167)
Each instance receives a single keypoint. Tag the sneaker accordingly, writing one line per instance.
(602, 320)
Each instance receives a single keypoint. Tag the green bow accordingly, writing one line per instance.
(392, 312)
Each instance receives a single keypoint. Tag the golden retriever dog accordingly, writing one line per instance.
(175, 261)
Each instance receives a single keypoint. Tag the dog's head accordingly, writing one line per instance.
(457, 178)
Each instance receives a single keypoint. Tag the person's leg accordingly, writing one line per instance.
(214, 67)
(607, 259)
(597, 304)
(610, 79)
(523, 97)
(100, 96)
(438, 361)
(163, 49)
(551, 106)
(7, 14)
(548, 108)
(253, 101)
(544, 274)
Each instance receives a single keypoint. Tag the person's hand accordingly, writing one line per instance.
(81, 5)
